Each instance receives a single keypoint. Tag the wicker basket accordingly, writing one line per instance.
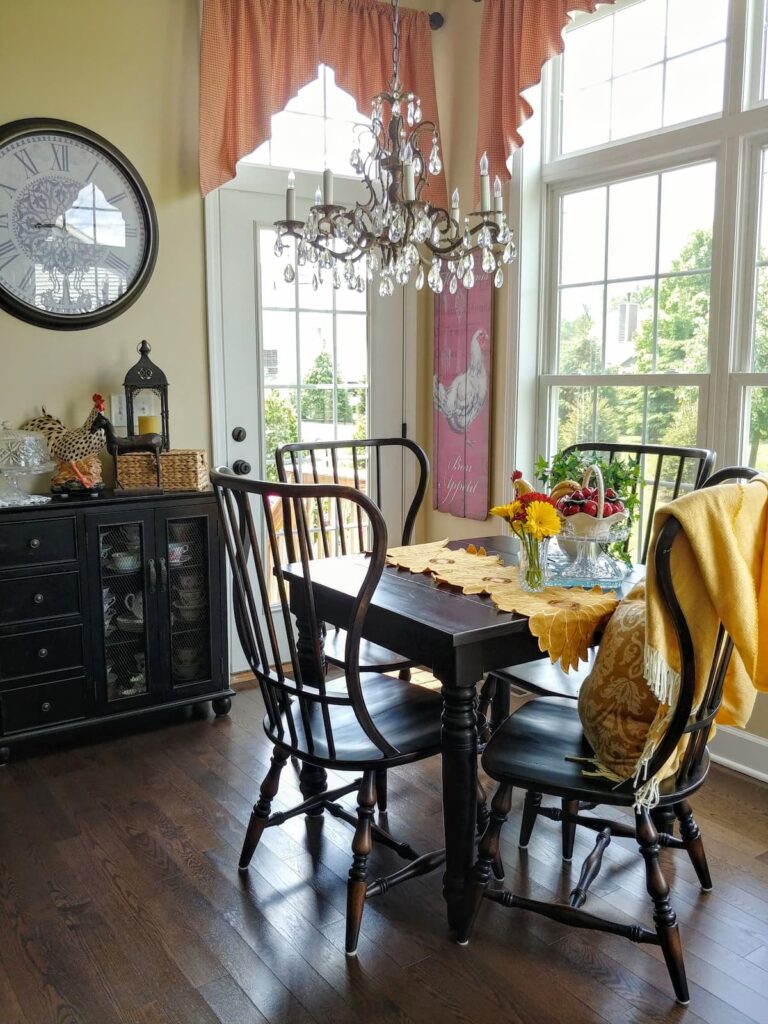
(181, 469)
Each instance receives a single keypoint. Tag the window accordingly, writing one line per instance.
(654, 319)
(314, 131)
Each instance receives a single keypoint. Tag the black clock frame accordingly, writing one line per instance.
(31, 126)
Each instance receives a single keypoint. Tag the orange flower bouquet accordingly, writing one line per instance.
(533, 518)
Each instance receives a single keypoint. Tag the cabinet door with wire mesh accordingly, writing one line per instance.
(127, 668)
(190, 614)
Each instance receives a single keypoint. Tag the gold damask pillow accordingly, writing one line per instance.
(616, 706)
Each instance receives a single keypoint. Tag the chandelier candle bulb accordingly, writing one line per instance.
(455, 213)
(498, 199)
(290, 197)
(328, 186)
(485, 185)
(409, 182)
(318, 196)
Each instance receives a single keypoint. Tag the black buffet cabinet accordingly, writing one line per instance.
(109, 607)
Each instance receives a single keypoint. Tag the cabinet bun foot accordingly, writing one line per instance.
(221, 706)
(5, 755)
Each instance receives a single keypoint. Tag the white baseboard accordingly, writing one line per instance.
(743, 751)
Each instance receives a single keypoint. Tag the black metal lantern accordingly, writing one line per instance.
(146, 386)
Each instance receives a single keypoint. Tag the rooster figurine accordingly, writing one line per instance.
(466, 395)
(76, 451)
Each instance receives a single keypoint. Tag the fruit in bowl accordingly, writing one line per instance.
(590, 513)
(587, 500)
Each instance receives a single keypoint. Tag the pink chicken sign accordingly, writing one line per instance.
(462, 399)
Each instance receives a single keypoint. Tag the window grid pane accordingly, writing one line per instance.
(621, 76)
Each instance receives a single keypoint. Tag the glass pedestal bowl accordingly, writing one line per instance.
(22, 453)
(591, 566)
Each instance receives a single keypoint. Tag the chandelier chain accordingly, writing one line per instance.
(395, 39)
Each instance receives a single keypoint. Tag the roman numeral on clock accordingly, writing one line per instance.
(4, 220)
(27, 163)
(131, 231)
(6, 249)
(8, 188)
(117, 198)
(115, 263)
(60, 156)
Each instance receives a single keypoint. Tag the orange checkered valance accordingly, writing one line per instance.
(518, 37)
(255, 55)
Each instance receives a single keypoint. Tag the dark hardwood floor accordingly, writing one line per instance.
(120, 901)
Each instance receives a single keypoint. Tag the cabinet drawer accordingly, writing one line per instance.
(37, 542)
(34, 707)
(39, 597)
(45, 650)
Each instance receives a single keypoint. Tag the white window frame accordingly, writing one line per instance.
(733, 140)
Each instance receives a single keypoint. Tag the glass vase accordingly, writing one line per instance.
(533, 563)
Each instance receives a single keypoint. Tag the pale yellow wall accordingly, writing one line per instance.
(128, 71)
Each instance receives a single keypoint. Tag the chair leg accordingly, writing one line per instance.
(663, 914)
(664, 819)
(260, 813)
(381, 790)
(694, 844)
(361, 847)
(569, 828)
(405, 675)
(530, 812)
(500, 703)
(488, 855)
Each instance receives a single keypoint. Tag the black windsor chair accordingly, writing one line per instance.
(532, 748)
(677, 470)
(361, 722)
(362, 464)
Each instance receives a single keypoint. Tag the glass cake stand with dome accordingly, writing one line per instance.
(22, 453)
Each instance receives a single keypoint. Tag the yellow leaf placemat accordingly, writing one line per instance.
(434, 557)
(564, 620)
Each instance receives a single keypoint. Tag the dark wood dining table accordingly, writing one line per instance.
(459, 638)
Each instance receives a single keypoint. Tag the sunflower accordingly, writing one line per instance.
(542, 520)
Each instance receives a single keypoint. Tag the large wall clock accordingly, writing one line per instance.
(78, 230)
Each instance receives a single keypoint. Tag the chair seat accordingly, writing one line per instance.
(372, 657)
(546, 679)
(530, 750)
(408, 716)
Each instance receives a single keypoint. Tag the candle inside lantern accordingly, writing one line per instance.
(485, 185)
(149, 425)
(328, 186)
(290, 197)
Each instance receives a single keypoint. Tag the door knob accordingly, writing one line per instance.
(241, 467)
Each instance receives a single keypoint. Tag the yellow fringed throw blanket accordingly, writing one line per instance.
(720, 568)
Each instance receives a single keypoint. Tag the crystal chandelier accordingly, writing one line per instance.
(395, 233)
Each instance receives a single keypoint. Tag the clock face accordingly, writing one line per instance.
(78, 233)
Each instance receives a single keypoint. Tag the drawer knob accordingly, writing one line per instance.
(43, 652)
(38, 598)
(46, 705)
(35, 543)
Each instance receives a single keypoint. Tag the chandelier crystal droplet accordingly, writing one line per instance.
(396, 233)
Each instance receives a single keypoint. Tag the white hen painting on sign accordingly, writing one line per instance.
(462, 399)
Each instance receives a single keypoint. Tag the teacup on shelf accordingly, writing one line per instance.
(135, 605)
(125, 561)
(178, 552)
